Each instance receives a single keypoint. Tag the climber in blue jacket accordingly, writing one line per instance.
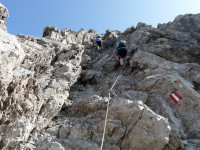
(98, 42)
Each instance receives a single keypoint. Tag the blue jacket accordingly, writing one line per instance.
(98, 39)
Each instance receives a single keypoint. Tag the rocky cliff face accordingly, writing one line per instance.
(54, 89)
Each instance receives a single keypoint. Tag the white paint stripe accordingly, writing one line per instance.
(175, 97)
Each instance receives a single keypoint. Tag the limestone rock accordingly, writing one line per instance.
(89, 76)
(129, 30)
(3, 11)
(85, 60)
(62, 132)
(141, 124)
(56, 146)
(55, 89)
(128, 122)
(68, 36)
(161, 102)
(136, 95)
(142, 25)
(3, 14)
(51, 32)
(11, 56)
(35, 83)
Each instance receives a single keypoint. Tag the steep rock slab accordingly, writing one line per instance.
(184, 116)
(144, 129)
(57, 66)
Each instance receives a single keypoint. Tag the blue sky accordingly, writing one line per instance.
(29, 17)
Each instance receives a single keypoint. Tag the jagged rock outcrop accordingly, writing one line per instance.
(54, 89)
(37, 88)
(69, 36)
(51, 32)
(3, 14)
(177, 41)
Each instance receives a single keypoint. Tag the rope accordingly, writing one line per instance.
(104, 130)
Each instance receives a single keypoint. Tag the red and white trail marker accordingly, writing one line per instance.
(175, 97)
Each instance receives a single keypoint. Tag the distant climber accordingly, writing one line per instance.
(121, 50)
(98, 42)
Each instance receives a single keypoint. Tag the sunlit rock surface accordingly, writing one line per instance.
(54, 89)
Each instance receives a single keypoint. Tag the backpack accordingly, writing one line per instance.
(120, 44)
